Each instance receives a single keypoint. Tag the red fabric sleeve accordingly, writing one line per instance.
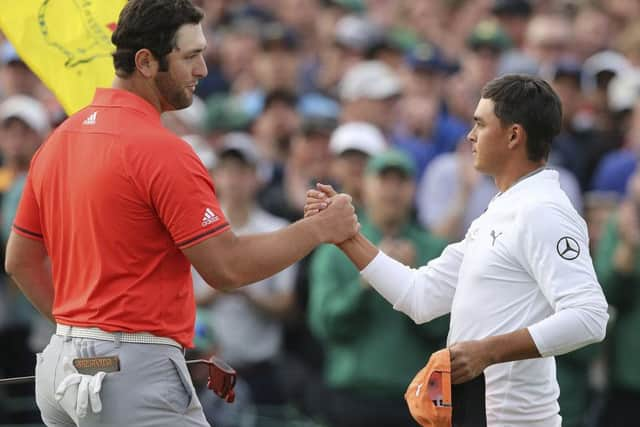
(27, 221)
(181, 191)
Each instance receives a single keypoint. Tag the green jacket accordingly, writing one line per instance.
(369, 347)
(623, 292)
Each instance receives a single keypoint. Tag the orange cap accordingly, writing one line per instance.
(429, 394)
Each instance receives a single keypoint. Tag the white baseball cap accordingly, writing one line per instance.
(28, 110)
(359, 136)
(242, 144)
(369, 80)
(607, 60)
(624, 90)
(357, 32)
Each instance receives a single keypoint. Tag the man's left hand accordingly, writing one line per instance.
(468, 360)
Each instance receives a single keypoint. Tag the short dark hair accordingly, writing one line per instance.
(150, 24)
(530, 102)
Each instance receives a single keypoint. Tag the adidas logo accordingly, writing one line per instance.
(209, 217)
(91, 120)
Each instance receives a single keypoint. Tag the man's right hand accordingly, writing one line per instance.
(318, 200)
(338, 221)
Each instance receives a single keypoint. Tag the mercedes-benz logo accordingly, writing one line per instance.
(568, 248)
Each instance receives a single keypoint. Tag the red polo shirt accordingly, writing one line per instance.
(115, 197)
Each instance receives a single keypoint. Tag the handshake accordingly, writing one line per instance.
(333, 214)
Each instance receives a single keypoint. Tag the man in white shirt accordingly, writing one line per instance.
(520, 286)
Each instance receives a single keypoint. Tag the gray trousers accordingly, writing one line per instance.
(153, 387)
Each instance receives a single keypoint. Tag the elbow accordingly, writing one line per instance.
(601, 329)
(11, 265)
(598, 320)
(222, 279)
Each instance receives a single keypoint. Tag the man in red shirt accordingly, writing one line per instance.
(115, 210)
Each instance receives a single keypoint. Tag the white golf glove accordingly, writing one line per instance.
(88, 390)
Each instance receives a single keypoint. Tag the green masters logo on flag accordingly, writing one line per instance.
(67, 43)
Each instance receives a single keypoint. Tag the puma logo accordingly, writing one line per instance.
(494, 236)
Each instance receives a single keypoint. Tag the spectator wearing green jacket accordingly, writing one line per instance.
(371, 350)
(618, 268)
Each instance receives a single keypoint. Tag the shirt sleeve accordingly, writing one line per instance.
(27, 220)
(555, 251)
(178, 187)
(422, 294)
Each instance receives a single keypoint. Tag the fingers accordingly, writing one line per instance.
(326, 189)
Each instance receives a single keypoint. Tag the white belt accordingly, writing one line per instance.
(98, 334)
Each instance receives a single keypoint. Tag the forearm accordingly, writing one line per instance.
(570, 329)
(28, 264)
(517, 345)
(359, 250)
(252, 258)
(36, 284)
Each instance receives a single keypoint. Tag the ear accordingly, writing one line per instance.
(146, 63)
(516, 136)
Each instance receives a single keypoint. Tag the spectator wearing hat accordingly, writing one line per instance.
(368, 92)
(308, 160)
(578, 146)
(615, 168)
(255, 311)
(424, 128)
(513, 16)
(24, 125)
(16, 78)
(485, 45)
(276, 66)
(352, 145)
(365, 375)
(273, 129)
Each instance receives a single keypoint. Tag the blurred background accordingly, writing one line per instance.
(374, 97)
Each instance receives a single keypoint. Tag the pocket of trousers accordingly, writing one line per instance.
(179, 389)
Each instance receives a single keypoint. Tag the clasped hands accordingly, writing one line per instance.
(334, 214)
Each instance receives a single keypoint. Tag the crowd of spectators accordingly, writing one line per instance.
(376, 98)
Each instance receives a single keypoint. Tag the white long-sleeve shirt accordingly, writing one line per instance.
(524, 263)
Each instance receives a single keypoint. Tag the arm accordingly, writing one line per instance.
(470, 358)
(569, 284)
(27, 263)
(422, 294)
(227, 261)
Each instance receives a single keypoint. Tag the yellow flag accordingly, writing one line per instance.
(67, 43)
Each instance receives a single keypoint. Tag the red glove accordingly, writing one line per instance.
(222, 378)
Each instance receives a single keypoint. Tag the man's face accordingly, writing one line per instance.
(18, 142)
(348, 170)
(236, 181)
(389, 194)
(488, 139)
(186, 67)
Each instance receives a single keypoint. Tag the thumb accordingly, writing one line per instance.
(326, 189)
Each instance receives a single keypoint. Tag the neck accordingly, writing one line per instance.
(140, 87)
(507, 179)
(237, 213)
